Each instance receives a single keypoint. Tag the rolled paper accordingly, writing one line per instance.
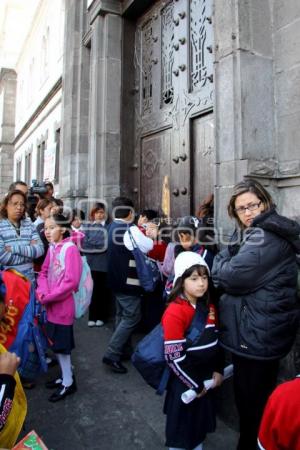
(189, 395)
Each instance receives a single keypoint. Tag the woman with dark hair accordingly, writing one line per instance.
(94, 247)
(43, 211)
(19, 240)
(257, 274)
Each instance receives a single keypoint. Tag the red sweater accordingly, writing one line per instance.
(195, 363)
(280, 426)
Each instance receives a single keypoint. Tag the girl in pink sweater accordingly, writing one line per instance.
(57, 280)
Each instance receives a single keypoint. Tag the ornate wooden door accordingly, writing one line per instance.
(173, 59)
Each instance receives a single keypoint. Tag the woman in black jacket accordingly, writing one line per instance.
(257, 274)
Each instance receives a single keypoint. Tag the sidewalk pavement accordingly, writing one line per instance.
(109, 411)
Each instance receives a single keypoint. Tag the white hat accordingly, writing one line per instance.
(184, 261)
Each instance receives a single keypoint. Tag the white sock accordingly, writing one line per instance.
(66, 369)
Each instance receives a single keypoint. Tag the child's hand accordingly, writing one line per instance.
(218, 379)
(202, 393)
(9, 363)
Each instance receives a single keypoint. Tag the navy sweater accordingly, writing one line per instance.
(121, 268)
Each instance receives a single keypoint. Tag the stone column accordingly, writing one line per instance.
(74, 149)
(105, 107)
(8, 84)
(244, 96)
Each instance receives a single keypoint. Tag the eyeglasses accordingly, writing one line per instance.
(243, 209)
(16, 204)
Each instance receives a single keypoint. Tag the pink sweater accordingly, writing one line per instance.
(56, 284)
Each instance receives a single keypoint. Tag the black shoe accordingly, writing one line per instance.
(53, 383)
(62, 392)
(116, 366)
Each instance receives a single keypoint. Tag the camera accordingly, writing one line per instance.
(36, 192)
(37, 188)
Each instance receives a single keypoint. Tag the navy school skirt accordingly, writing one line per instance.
(60, 338)
(187, 425)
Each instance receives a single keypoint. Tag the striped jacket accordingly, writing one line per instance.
(196, 363)
(22, 252)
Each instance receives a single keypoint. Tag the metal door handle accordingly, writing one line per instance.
(184, 191)
(176, 192)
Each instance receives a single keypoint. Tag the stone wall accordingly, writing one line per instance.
(75, 107)
(257, 100)
(8, 81)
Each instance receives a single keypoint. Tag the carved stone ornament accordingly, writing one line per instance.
(266, 168)
(289, 168)
(167, 54)
(201, 41)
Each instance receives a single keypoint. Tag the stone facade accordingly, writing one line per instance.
(31, 94)
(257, 99)
(8, 82)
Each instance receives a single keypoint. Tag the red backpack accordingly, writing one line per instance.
(17, 297)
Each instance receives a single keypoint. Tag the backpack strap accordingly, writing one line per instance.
(197, 326)
(134, 244)
(193, 333)
(62, 253)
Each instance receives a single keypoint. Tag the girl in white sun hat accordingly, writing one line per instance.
(193, 361)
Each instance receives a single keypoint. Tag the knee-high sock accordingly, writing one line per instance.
(66, 368)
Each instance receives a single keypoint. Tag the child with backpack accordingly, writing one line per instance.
(58, 280)
(191, 360)
(188, 232)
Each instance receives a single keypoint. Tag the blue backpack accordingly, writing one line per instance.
(83, 295)
(149, 356)
(147, 269)
(29, 343)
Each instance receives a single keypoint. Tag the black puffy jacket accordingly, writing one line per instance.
(258, 309)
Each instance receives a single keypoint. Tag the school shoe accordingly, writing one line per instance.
(116, 366)
(91, 323)
(62, 392)
(99, 323)
(52, 384)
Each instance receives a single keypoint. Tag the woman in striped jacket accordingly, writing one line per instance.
(19, 240)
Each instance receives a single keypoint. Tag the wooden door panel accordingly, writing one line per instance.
(173, 81)
(203, 166)
(155, 173)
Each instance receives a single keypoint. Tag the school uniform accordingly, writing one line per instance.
(94, 247)
(188, 424)
(55, 290)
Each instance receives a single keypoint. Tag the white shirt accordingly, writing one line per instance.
(144, 243)
(38, 221)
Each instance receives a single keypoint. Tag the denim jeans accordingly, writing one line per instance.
(128, 315)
